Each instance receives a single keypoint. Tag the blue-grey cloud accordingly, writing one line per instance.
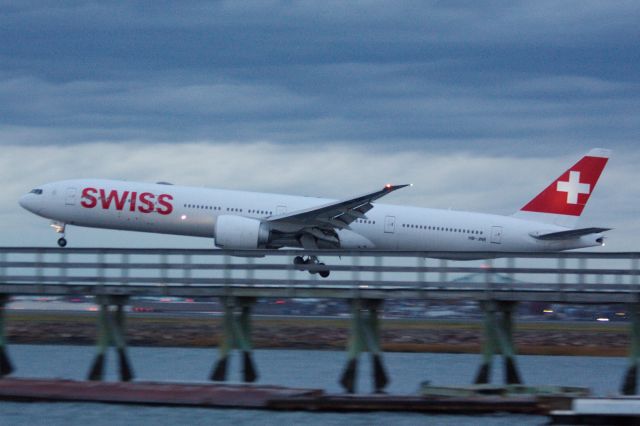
(307, 96)
(399, 75)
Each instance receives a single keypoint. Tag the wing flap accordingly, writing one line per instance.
(568, 234)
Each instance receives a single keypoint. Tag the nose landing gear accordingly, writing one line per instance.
(60, 228)
(317, 266)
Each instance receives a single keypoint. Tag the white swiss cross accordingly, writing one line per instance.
(573, 187)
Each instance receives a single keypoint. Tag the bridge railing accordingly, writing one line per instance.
(562, 272)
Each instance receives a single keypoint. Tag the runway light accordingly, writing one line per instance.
(548, 311)
(602, 319)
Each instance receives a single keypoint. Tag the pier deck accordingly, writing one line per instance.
(256, 397)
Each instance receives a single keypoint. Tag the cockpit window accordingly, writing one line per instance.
(36, 191)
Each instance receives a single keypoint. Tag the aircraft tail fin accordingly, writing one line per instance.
(562, 202)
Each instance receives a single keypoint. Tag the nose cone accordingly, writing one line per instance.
(30, 202)
(24, 201)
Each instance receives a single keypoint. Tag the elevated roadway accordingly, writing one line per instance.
(365, 278)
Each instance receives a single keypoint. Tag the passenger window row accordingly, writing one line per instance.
(368, 222)
(229, 209)
(202, 207)
(442, 228)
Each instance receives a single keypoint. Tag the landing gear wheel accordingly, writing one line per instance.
(325, 272)
(62, 242)
(319, 267)
(311, 260)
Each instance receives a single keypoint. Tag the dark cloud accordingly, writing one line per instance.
(400, 75)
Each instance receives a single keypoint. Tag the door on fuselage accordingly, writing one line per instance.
(390, 224)
(70, 197)
(496, 235)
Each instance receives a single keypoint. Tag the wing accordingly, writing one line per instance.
(321, 222)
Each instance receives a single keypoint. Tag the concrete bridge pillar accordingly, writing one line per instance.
(111, 332)
(236, 334)
(498, 338)
(364, 336)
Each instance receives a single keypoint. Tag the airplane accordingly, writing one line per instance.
(241, 220)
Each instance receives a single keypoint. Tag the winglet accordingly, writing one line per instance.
(390, 188)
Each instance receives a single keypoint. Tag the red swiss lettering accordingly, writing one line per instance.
(143, 202)
(146, 199)
(89, 201)
(132, 201)
(167, 207)
(113, 197)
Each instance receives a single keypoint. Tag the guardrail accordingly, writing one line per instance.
(576, 277)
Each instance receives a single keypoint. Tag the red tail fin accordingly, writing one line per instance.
(569, 193)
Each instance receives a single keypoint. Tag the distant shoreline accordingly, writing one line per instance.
(398, 335)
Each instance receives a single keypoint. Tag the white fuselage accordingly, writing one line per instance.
(191, 211)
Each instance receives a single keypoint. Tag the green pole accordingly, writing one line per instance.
(5, 363)
(96, 373)
(489, 345)
(629, 385)
(372, 329)
(507, 346)
(226, 342)
(355, 346)
(118, 332)
(243, 333)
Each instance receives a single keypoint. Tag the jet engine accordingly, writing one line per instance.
(237, 232)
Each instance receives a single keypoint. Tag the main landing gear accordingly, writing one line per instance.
(317, 266)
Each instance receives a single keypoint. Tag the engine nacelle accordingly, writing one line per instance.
(237, 232)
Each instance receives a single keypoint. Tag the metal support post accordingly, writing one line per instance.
(498, 331)
(630, 383)
(117, 335)
(354, 347)
(507, 347)
(372, 332)
(364, 336)
(111, 332)
(6, 367)
(97, 369)
(490, 344)
(225, 343)
(236, 334)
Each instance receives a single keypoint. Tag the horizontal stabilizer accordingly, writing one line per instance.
(569, 234)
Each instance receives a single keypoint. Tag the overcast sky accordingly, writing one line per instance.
(478, 104)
